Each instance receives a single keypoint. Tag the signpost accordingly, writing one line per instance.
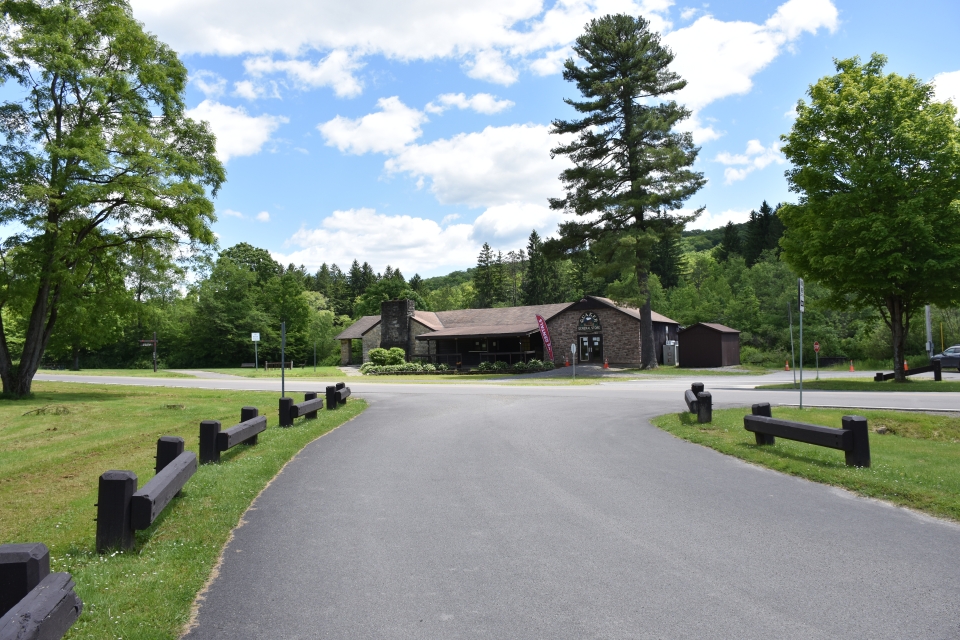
(800, 293)
(283, 347)
(256, 360)
(153, 343)
(816, 351)
(573, 354)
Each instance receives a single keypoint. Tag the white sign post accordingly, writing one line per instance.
(816, 351)
(256, 360)
(573, 353)
(800, 293)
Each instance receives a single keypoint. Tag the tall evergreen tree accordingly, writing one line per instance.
(763, 232)
(355, 280)
(484, 282)
(339, 292)
(416, 283)
(632, 169)
(321, 280)
(541, 285)
(667, 261)
(369, 276)
(731, 243)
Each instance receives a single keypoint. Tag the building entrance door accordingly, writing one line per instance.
(591, 348)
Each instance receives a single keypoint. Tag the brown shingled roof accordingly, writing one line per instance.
(358, 328)
(713, 325)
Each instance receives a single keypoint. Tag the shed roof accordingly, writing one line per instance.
(358, 328)
(712, 325)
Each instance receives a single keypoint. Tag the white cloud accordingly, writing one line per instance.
(508, 226)
(710, 220)
(946, 86)
(263, 216)
(480, 102)
(209, 83)
(238, 134)
(405, 242)
(489, 65)
(755, 157)
(496, 166)
(246, 89)
(386, 131)
(231, 213)
(450, 218)
(336, 70)
(688, 13)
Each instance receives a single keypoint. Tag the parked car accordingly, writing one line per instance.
(949, 358)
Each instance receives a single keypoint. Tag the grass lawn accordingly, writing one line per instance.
(306, 372)
(49, 465)
(138, 373)
(677, 371)
(917, 464)
(868, 384)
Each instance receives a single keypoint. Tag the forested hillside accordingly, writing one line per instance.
(732, 275)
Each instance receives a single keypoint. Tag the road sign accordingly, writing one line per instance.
(800, 285)
(816, 347)
(573, 348)
(255, 337)
(146, 343)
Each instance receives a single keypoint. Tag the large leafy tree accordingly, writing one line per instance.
(96, 154)
(876, 162)
(631, 170)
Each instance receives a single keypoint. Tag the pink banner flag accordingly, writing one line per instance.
(545, 334)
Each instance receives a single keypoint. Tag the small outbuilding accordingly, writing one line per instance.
(707, 344)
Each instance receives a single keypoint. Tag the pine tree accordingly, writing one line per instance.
(483, 279)
(321, 281)
(541, 285)
(731, 243)
(369, 277)
(355, 280)
(667, 262)
(632, 169)
(416, 283)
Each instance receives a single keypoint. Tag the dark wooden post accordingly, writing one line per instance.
(331, 398)
(168, 448)
(859, 454)
(310, 395)
(937, 371)
(704, 407)
(113, 510)
(285, 406)
(697, 388)
(763, 409)
(208, 441)
(249, 413)
(22, 567)
(341, 385)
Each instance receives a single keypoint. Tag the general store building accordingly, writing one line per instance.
(599, 327)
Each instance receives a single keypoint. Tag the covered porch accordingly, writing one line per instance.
(467, 347)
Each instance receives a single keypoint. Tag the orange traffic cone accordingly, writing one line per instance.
(906, 367)
(566, 361)
(786, 365)
(851, 365)
(606, 365)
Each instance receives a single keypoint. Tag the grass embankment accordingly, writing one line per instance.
(136, 373)
(868, 384)
(916, 464)
(50, 463)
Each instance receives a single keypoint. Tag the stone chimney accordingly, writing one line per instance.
(395, 324)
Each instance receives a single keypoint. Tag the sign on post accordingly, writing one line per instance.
(255, 337)
(573, 353)
(800, 295)
(816, 351)
(816, 347)
(800, 284)
(256, 357)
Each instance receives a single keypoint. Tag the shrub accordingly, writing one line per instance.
(499, 365)
(548, 365)
(534, 365)
(396, 355)
(520, 367)
(429, 368)
(413, 367)
(485, 367)
(379, 356)
(442, 367)
(369, 368)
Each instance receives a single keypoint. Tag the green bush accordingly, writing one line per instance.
(548, 365)
(429, 368)
(485, 367)
(499, 365)
(534, 365)
(442, 367)
(396, 355)
(379, 356)
(520, 367)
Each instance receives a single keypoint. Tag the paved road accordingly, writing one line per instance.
(559, 512)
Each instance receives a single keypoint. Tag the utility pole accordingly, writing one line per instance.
(800, 292)
(154, 351)
(929, 334)
(283, 347)
(793, 356)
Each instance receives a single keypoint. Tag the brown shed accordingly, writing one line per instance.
(706, 344)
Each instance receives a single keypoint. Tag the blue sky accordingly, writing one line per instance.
(410, 133)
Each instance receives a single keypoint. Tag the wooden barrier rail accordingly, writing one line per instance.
(213, 441)
(936, 367)
(699, 402)
(150, 501)
(306, 409)
(34, 603)
(853, 438)
(337, 395)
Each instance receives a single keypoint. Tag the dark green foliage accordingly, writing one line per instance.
(667, 262)
(541, 284)
(392, 288)
(731, 245)
(257, 261)
(631, 168)
(485, 279)
(762, 233)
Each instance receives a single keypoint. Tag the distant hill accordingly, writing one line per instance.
(453, 279)
(704, 239)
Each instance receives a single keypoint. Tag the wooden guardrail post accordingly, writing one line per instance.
(704, 407)
(168, 448)
(859, 453)
(208, 441)
(22, 567)
(310, 395)
(763, 409)
(342, 398)
(113, 510)
(331, 397)
(46, 612)
(285, 405)
(249, 413)
(147, 503)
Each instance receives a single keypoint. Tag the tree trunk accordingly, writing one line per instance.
(895, 308)
(648, 354)
(76, 357)
(18, 380)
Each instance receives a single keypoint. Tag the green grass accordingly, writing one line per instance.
(306, 372)
(138, 373)
(916, 465)
(745, 369)
(49, 465)
(868, 384)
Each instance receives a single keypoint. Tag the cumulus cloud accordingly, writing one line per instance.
(386, 131)
(238, 133)
(509, 225)
(263, 216)
(946, 86)
(337, 70)
(710, 220)
(405, 242)
(209, 83)
(480, 102)
(231, 213)
(496, 166)
(756, 156)
(489, 65)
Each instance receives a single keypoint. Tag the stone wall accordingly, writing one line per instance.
(420, 347)
(395, 316)
(371, 340)
(345, 352)
(621, 335)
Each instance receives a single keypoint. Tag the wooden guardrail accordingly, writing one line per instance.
(213, 441)
(337, 395)
(306, 409)
(699, 402)
(150, 501)
(852, 438)
(34, 603)
(936, 367)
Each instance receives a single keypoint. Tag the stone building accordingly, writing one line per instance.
(599, 327)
